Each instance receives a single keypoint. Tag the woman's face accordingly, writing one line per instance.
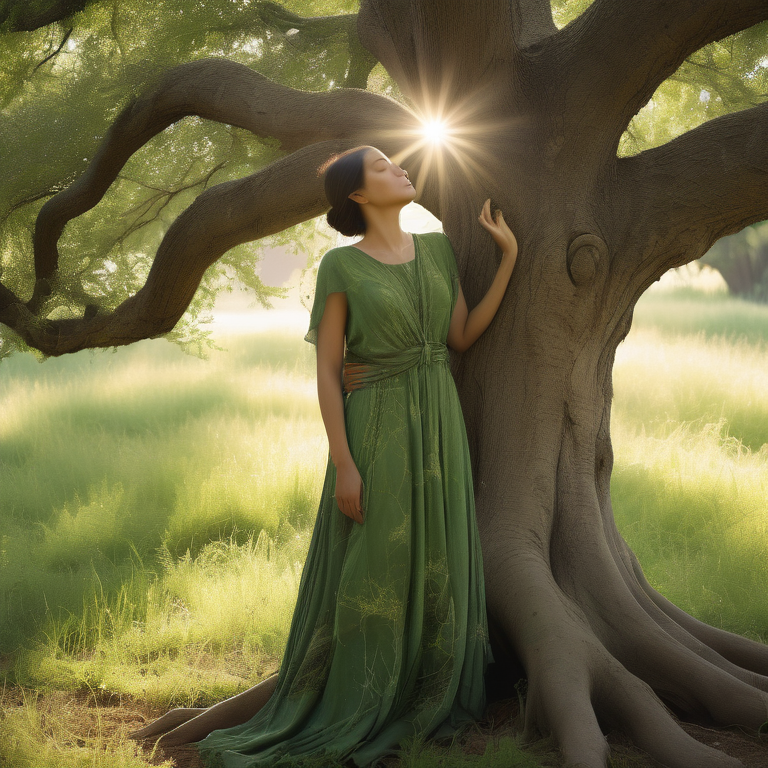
(384, 182)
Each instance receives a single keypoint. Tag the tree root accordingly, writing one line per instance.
(186, 725)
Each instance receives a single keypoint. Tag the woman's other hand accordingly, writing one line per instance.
(349, 491)
(500, 232)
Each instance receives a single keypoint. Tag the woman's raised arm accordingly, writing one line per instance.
(466, 327)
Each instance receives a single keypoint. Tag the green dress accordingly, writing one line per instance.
(389, 637)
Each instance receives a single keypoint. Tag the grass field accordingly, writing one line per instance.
(156, 509)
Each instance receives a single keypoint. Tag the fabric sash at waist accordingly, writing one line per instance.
(359, 372)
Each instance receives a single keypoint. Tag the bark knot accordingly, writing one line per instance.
(585, 253)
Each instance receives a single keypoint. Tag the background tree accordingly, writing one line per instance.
(553, 121)
(742, 260)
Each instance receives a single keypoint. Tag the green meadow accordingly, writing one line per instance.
(156, 508)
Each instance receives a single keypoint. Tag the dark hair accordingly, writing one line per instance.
(343, 174)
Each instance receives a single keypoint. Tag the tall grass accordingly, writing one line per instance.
(156, 509)
(690, 435)
(37, 734)
(116, 467)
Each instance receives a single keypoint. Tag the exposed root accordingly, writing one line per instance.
(182, 726)
(165, 723)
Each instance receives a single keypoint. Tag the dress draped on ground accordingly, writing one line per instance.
(389, 636)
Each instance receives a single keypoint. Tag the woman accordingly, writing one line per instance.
(389, 635)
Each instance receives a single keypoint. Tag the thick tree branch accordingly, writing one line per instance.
(224, 91)
(616, 54)
(8, 299)
(28, 15)
(710, 182)
(532, 22)
(437, 50)
(283, 194)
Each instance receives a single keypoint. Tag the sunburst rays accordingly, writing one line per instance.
(451, 140)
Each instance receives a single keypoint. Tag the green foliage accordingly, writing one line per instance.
(58, 102)
(56, 115)
(725, 76)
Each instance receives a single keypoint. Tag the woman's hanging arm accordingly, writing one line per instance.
(330, 362)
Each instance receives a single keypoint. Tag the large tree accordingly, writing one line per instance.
(537, 114)
(742, 261)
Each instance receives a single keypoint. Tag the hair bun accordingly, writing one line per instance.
(333, 217)
(343, 174)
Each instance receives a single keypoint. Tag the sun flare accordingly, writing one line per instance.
(450, 136)
(435, 131)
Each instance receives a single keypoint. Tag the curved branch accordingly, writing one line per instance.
(23, 16)
(56, 52)
(710, 182)
(285, 193)
(220, 90)
(9, 306)
(619, 52)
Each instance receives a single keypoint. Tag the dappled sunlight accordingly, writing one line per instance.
(45, 730)
(690, 437)
(694, 378)
(158, 507)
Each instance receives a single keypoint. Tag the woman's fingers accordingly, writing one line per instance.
(485, 214)
(349, 493)
(486, 218)
(498, 228)
(353, 509)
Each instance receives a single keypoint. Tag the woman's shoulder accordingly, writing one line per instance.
(433, 237)
(334, 264)
(331, 257)
(337, 254)
(436, 241)
(440, 246)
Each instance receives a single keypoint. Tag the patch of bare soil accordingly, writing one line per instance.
(113, 716)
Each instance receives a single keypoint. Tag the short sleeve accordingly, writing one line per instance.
(453, 271)
(330, 279)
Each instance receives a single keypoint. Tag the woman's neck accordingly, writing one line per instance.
(383, 231)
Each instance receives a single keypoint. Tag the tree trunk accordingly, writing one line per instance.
(566, 596)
